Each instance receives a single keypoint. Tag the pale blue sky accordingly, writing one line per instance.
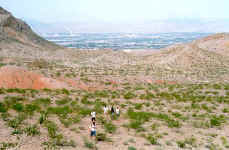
(116, 11)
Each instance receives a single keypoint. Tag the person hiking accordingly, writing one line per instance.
(93, 116)
(117, 111)
(93, 129)
(105, 109)
(112, 110)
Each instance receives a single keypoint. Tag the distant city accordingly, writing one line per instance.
(120, 41)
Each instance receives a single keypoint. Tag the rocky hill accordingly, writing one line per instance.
(13, 30)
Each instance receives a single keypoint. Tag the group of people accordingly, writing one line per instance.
(112, 110)
(106, 110)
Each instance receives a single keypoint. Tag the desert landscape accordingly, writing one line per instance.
(170, 99)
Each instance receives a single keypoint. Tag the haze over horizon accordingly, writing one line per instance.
(122, 16)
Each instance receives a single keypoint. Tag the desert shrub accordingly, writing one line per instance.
(5, 146)
(65, 143)
(32, 130)
(179, 116)
(191, 141)
(42, 101)
(43, 117)
(17, 121)
(101, 137)
(102, 94)
(89, 144)
(65, 91)
(66, 122)
(115, 94)
(129, 95)
(2, 91)
(205, 107)
(63, 101)
(58, 142)
(131, 148)
(5, 116)
(52, 129)
(17, 132)
(224, 142)
(138, 106)
(85, 101)
(21, 91)
(152, 139)
(9, 101)
(31, 108)
(3, 108)
(75, 118)
(216, 86)
(181, 144)
(40, 63)
(140, 116)
(98, 108)
(225, 110)
(147, 96)
(61, 111)
(171, 122)
(109, 127)
(85, 111)
(135, 124)
(201, 124)
(217, 120)
(154, 126)
(18, 107)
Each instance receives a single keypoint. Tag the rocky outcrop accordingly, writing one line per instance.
(16, 30)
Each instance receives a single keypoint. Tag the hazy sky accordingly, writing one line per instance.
(116, 11)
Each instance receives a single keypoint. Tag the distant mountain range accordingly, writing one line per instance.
(173, 25)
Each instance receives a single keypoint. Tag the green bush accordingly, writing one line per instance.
(129, 95)
(60, 110)
(135, 124)
(181, 144)
(101, 137)
(30, 108)
(85, 101)
(2, 91)
(131, 148)
(65, 91)
(109, 127)
(52, 129)
(63, 101)
(32, 130)
(9, 101)
(138, 106)
(85, 111)
(21, 91)
(139, 116)
(102, 94)
(217, 120)
(42, 101)
(152, 139)
(18, 107)
(3, 108)
(5, 146)
(88, 144)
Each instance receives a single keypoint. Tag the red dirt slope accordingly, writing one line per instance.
(15, 77)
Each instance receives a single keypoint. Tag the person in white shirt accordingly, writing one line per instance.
(117, 111)
(93, 116)
(93, 129)
(105, 109)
